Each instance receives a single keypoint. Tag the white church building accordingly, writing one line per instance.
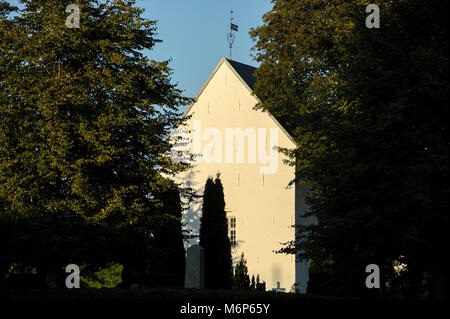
(225, 135)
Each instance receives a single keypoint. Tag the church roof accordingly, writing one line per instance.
(247, 75)
(246, 72)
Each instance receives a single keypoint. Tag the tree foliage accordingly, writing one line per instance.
(368, 109)
(84, 119)
(214, 237)
(167, 259)
(241, 279)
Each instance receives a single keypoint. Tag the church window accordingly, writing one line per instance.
(233, 238)
(233, 222)
(232, 230)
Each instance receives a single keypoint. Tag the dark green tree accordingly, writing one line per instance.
(214, 237)
(368, 109)
(241, 279)
(167, 258)
(84, 122)
(260, 286)
(253, 283)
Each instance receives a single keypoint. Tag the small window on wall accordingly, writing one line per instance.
(233, 238)
(232, 230)
(233, 222)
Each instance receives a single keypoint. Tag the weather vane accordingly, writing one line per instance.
(231, 35)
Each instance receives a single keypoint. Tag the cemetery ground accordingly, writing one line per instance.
(105, 297)
(156, 293)
(171, 302)
(106, 285)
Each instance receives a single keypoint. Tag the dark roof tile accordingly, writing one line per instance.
(246, 72)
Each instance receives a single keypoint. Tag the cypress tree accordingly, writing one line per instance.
(214, 237)
(253, 283)
(260, 286)
(241, 278)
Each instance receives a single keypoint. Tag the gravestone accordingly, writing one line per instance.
(195, 268)
(278, 289)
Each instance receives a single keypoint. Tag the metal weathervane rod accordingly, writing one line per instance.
(231, 35)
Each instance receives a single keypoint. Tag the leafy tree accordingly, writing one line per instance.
(167, 259)
(241, 279)
(84, 120)
(368, 110)
(214, 237)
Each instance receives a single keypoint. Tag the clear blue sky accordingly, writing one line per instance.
(194, 35)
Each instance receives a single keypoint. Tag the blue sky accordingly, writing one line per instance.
(194, 35)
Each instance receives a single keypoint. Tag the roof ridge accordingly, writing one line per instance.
(246, 74)
(245, 71)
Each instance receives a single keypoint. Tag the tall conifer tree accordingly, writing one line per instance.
(241, 279)
(214, 237)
